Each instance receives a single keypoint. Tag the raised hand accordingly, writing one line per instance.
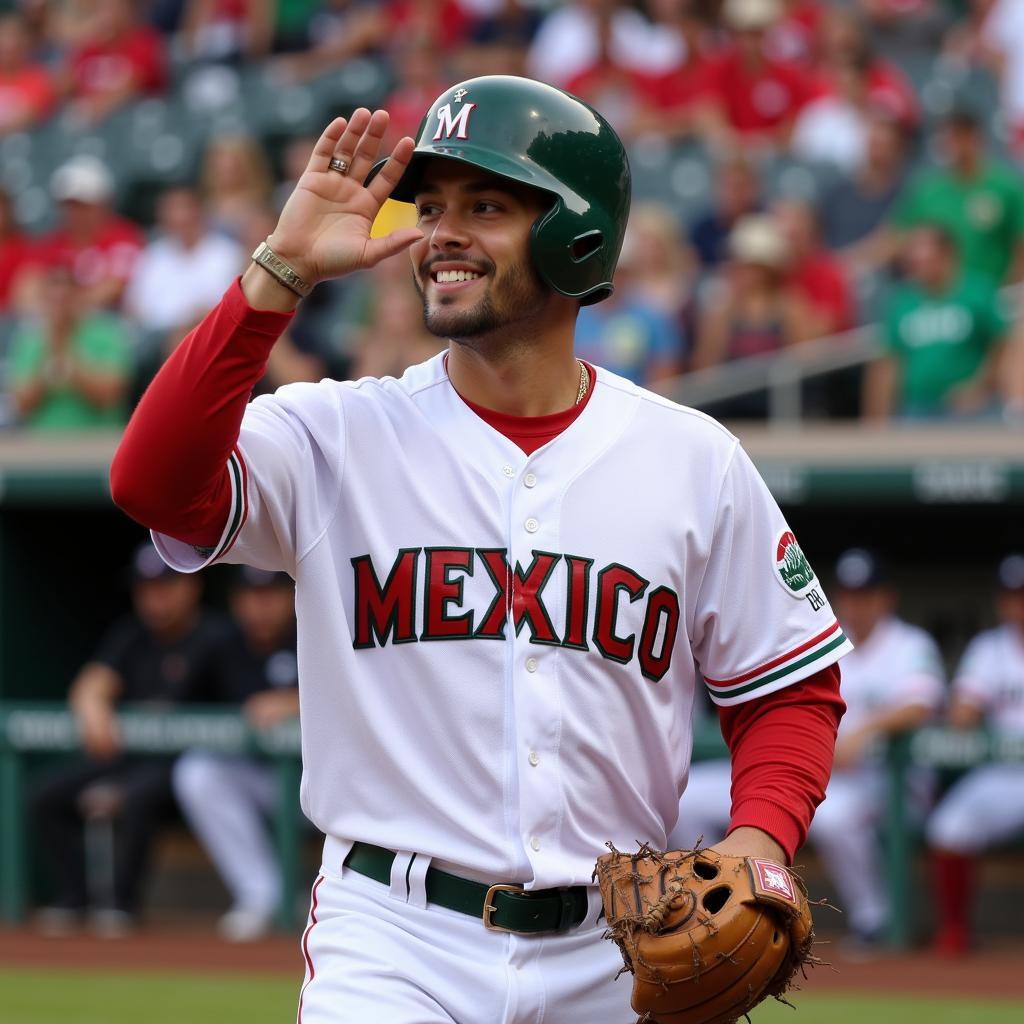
(324, 228)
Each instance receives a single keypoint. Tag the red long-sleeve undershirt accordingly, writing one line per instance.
(169, 473)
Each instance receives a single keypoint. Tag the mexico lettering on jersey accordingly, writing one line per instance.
(403, 610)
(498, 653)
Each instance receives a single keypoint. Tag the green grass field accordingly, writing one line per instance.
(69, 997)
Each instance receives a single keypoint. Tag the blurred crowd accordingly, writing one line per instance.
(802, 167)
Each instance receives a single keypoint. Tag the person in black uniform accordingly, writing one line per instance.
(226, 799)
(168, 651)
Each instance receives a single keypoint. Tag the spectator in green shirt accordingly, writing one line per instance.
(942, 334)
(69, 369)
(978, 200)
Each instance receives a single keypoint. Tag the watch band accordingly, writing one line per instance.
(266, 258)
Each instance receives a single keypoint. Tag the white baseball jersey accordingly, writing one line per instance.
(991, 675)
(498, 652)
(898, 665)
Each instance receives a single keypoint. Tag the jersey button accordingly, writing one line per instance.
(534, 843)
(508, 471)
(531, 664)
(530, 480)
(531, 524)
(534, 758)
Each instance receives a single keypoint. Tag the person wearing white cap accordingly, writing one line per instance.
(752, 98)
(892, 682)
(986, 806)
(753, 310)
(100, 246)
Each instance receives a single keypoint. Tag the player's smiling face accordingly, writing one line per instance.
(473, 267)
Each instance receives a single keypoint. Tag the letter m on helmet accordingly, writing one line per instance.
(457, 125)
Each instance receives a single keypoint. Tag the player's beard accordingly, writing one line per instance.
(516, 296)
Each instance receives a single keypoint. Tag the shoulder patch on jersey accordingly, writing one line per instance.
(790, 565)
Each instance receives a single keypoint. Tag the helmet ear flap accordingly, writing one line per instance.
(573, 257)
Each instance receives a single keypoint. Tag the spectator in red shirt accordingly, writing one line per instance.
(815, 274)
(99, 246)
(623, 94)
(673, 94)
(794, 37)
(117, 59)
(845, 43)
(27, 93)
(751, 99)
(14, 250)
(567, 42)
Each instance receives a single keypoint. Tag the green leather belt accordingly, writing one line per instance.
(502, 908)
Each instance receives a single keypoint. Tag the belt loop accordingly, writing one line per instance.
(336, 852)
(594, 908)
(417, 876)
(400, 876)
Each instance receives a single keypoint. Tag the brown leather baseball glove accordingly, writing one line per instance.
(706, 936)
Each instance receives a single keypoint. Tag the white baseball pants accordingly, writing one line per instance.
(984, 808)
(379, 954)
(226, 801)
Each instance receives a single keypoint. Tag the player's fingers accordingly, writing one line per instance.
(390, 174)
(357, 124)
(324, 148)
(378, 249)
(369, 145)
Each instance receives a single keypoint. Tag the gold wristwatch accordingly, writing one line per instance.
(266, 258)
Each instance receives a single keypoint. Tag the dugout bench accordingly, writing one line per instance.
(33, 728)
(28, 729)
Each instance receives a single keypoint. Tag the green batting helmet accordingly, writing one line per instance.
(542, 137)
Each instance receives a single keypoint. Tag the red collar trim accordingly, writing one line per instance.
(530, 426)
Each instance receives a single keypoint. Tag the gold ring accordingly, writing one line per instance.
(339, 165)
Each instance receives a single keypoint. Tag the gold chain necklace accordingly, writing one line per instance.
(584, 381)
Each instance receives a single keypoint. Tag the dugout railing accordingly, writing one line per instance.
(954, 750)
(32, 729)
(28, 730)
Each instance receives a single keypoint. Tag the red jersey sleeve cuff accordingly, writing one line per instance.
(260, 321)
(779, 823)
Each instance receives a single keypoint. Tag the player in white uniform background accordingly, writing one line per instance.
(986, 806)
(892, 682)
(227, 799)
(508, 567)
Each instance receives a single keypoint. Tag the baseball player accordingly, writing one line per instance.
(892, 682)
(225, 798)
(509, 566)
(986, 806)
